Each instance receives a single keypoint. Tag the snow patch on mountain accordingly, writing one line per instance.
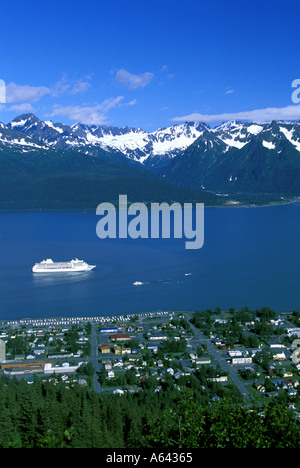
(255, 129)
(233, 142)
(289, 136)
(268, 144)
(51, 124)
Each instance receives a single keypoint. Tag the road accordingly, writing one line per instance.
(218, 356)
(94, 358)
(220, 359)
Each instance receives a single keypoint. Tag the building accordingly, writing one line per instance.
(235, 353)
(12, 368)
(221, 378)
(158, 337)
(202, 361)
(117, 350)
(63, 369)
(120, 337)
(242, 360)
(105, 348)
(279, 357)
(109, 330)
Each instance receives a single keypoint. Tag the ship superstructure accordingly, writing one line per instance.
(49, 266)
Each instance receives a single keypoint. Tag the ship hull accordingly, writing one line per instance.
(63, 270)
(49, 267)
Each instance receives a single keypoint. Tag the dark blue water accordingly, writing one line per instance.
(250, 257)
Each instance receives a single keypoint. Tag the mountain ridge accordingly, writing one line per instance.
(232, 158)
(136, 145)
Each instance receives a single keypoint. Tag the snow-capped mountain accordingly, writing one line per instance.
(18, 142)
(234, 156)
(150, 149)
(238, 134)
(239, 157)
(136, 145)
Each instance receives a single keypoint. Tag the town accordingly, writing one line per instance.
(251, 353)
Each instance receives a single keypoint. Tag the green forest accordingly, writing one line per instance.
(44, 415)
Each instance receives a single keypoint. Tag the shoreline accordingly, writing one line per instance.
(78, 319)
(234, 204)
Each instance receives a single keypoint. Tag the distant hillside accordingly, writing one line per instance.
(53, 179)
(52, 165)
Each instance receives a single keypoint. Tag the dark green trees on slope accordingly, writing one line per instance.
(42, 415)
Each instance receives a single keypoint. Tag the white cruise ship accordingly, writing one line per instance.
(48, 266)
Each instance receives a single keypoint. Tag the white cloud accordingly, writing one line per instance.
(132, 103)
(19, 93)
(90, 115)
(131, 81)
(258, 115)
(65, 86)
(28, 94)
(21, 108)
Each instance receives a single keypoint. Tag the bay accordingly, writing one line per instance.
(250, 257)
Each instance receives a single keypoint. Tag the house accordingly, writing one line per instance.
(279, 357)
(272, 394)
(105, 348)
(235, 353)
(259, 387)
(218, 342)
(117, 350)
(221, 378)
(118, 364)
(255, 351)
(158, 337)
(202, 360)
(275, 344)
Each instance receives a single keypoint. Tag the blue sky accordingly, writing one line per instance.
(149, 64)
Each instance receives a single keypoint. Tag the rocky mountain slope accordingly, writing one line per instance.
(234, 157)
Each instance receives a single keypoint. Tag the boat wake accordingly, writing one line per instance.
(161, 281)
